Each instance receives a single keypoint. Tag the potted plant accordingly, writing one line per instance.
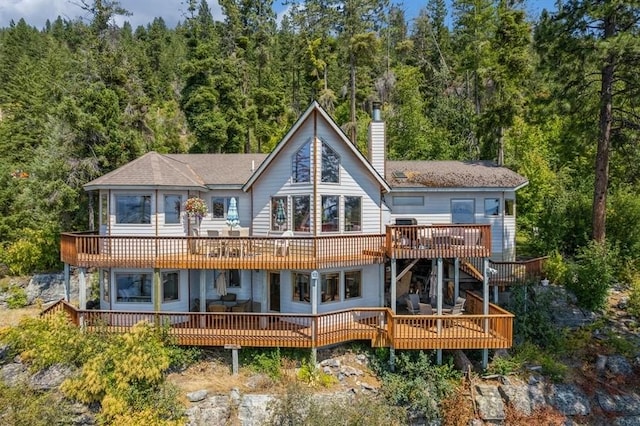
(196, 208)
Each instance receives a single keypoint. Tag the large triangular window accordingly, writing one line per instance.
(330, 165)
(301, 167)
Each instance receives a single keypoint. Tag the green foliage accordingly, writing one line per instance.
(418, 385)
(555, 268)
(36, 250)
(22, 406)
(17, 297)
(533, 322)
(634, 296)
(267, 361)
(532, 355)
(313, 376)
(592, 274)
(624, 210)
(504, 366)
(43, 342)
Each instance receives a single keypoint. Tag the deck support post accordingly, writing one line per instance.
(439, 292)
(235, 365)
(157, 283)
(392, 358)
(314, 312)
(392, 290)
(485, 307)
(456, 279)
(67, 283)
(82, 289)
(439, 356)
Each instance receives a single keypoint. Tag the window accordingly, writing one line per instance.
(104, 209)
(133, 287)
(170, 286)
(301, 213)
(220, 206)
(330, 165)
(106, 286)
(352, 214)
(352, 284)
(408, 200)
(330, 287)
(509, 207)
(330, 218)
(491, 207)
(462, 211)
(172, 207)
(279, 209)
(133, 209)
(301, 168)
(234, 278)
(301, 288)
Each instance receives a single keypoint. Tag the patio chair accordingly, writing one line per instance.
(281, 247)
(214, 247)
(415, 307)
(458, 307)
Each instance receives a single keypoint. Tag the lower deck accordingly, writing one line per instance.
(379, 326)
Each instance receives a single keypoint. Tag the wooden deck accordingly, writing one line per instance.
(255, 252)
(379, 326)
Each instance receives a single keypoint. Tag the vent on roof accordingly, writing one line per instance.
(399, 174)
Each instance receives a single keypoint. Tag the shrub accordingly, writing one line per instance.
(17, 297)
(634, 297)
(308, 373)
(36, 250)
(532, 354)
(590, 277)
(555, 268)
(533, 321)
(22, 406)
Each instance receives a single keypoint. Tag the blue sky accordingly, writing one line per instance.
(36, 12)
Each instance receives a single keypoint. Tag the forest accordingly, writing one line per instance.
(555, 97)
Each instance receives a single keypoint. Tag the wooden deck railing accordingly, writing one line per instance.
(378, 325)
(421, 241)
(87, 250)
(518, 272)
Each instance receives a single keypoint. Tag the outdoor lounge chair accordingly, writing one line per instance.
(415, 307)
(281, 247)
(457, 308)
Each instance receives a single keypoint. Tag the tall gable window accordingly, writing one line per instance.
(133, 209)
(330, 213)
(352, 214)
(301, 213)
(301, 167)
(330, 165)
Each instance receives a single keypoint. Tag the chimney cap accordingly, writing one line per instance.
(376, 114)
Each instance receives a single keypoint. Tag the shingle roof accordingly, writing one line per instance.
(451, 174)
(181, 171)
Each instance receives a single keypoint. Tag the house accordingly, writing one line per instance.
(314, 238)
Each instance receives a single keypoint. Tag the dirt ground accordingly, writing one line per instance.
(12, 317)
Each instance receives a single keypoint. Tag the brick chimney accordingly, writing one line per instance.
(377, 136)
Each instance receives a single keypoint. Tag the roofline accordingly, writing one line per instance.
(133, 187)
(455, 189)
(314, 106)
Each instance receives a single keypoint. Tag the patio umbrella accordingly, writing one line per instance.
(221, 283)
(281, 216)
(233, 219)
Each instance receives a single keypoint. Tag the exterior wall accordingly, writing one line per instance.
(436, 209)
(355, 180)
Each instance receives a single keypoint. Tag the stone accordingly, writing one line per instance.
(350, 371)
(14, 373)
(489, 403)
(627, 421)
(626, 404)
(197, 396)
(618, 365)
(51, 377)
(601, 363)
(4, 352)
(253, 410)
(215, 410)
(537, 396)
(362, 359)
(569, 400)
(517, 396)
(331, 362)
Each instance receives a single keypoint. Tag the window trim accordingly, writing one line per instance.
(141, 299)
(339, 285)
(328, 148)
(294, 212)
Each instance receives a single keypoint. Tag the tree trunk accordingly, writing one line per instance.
(352, 77)
(604, 138)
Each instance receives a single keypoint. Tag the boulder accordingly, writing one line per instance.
(489, 402)
(569, 400)
(51, 377)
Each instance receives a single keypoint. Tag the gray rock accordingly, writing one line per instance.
(627, 404)
(215, 410)
(49, 287)
(254, 410)
(517, 396)
(601, 364)
(627, 421)
(14, 373)
(350, 371)
(331, 362)
(489, 402)
(618, 365)
(537, 396)
(51, 377)
(569, 400)
(4, 352)
(362, 359)
(197, 396)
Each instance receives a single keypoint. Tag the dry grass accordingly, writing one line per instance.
(12, 317)
(547, 416)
